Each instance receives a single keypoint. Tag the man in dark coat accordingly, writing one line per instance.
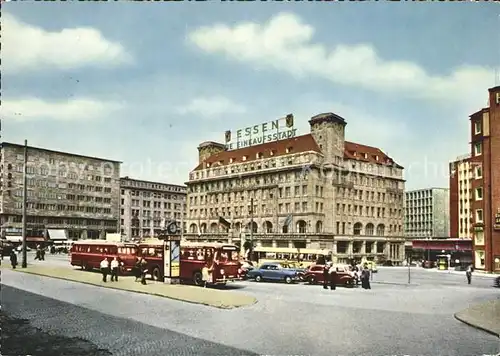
(13, 259)
(326, 276)
(365, 278)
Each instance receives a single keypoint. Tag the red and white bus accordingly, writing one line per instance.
(194, 256)
(88, 254)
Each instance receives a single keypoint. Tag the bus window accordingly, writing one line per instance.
(209, 253)
(200, 254)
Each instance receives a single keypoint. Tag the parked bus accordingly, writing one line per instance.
(88, 254)
(300, 256)
(193, 257)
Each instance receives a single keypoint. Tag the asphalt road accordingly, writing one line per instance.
(119, 336)
(392, 318)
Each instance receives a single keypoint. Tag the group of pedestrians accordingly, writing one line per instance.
(140, 270)
(40, 253)
(112, 268)
(330, 276)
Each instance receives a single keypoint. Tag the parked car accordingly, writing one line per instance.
(344, 276)
(274, 272)
(245, 267)
(296, 266)
(496, 282)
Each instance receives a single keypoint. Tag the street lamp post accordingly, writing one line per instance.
(408, 260)
(24, 263)
(251, 225)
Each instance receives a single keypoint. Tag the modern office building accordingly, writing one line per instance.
(427, 213)
(485, 185)
(145, 206)
(310, 191)
(461, 176)
(68, 195)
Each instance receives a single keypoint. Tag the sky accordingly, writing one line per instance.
(146, 83)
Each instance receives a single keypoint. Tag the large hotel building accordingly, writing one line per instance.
(68, 195)
(479, 197)
(310, 191)
(145, 206)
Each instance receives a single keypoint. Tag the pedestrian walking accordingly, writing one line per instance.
(42, 254)
(333, 277)
(38, 254)
(114, 269)
(144, 270)
(104, 269)
(13, 259)
(365, 278)
(326, 275)
(137, 269)
(468, 274)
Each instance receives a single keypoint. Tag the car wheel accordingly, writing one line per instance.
(156, 274)
(258, 278)
(288, 279)
(311, 280)
(198, 278)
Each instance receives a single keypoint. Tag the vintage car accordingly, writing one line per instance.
(344, 276)
(275, 272)
(245, 267)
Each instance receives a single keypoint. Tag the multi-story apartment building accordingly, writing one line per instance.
(315, 190)
(485, 185)
(145, 206)
(427, 213)
(461, 176)
(67, 193)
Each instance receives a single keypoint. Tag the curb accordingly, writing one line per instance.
(463, 320)
(220, 306)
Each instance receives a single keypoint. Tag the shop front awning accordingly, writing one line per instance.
(19, 238)
(57, 234)
(14, 238)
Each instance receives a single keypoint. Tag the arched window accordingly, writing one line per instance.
(203, 228)
(237, 227)
(253, 226)
(193, 228)
(301, 227)
(268, 227)
(319, 227)
(214, 227)
(357, 228)
(285, 229)
(369, 229)
(381, 230)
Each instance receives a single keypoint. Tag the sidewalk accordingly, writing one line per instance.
(207, 296)
(475, 274)
(485, 316)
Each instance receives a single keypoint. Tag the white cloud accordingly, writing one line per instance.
(211, 107)
(285, 43)
(27, 47)
(27, 109)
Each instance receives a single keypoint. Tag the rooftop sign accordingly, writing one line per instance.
(275, 130)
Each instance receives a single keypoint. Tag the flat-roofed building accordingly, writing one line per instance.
(310, 191)
(461, 177)
(146, 205)
(427, 213)
(68, 195)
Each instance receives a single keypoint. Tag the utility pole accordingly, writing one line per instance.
(408, 260)
(182, 218)
(251, 224)
(25, 199)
